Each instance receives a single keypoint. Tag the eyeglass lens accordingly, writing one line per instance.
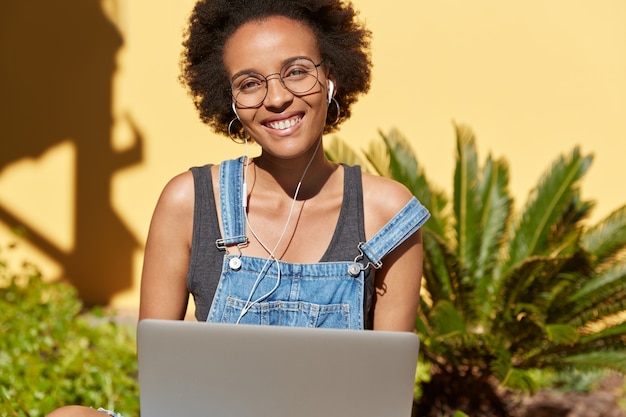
(298, 76)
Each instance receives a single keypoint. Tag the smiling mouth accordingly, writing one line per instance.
(285, 124)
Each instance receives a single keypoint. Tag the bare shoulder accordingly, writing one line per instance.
(383, 198)
(178, 193)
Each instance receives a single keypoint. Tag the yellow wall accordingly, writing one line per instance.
(93, 121)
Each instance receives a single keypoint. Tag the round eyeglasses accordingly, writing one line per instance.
(299, 76)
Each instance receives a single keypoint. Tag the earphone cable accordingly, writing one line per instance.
(272, 253)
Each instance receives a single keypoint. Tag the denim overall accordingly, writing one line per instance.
(263, 291)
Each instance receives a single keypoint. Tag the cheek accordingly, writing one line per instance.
(246, 116)
(252, 122)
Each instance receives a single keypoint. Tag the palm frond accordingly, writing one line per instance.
(403, 165)
(439, 268)
(563, 334)
(509, 375)
(552, 355)
(603, 296)
(515, 286)
(339, 151)
(520, 379)
(377, 154)
(447, 320)
(496, 213)
(422, 325)
(608, 238)
(602, 285)
(467, 203)
(610, 332)
(545, 207)
(399, 162)
(565, 234)
(615, 360)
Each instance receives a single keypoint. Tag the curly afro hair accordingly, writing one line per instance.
(344, 45)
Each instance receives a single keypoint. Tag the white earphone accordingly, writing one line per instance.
(331, 89)
(235, 110)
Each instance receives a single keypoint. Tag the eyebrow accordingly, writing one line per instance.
(285, 62)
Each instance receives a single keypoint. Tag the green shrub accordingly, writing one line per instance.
(52, 353)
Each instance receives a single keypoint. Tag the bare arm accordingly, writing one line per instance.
(398, 286)
(164, 292)
(398, 282)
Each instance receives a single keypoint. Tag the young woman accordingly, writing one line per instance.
(288, 232)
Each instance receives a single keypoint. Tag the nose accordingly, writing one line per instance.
(277, 94)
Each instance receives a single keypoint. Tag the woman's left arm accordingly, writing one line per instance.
(398, 281)
(398, 284)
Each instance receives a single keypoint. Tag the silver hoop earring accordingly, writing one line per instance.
(236, 137)
(338, 109)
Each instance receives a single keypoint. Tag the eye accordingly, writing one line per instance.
(248, 84)
(298, 69)
(296, 72)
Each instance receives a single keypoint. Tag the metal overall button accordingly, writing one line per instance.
(354, 269)
(234, 263)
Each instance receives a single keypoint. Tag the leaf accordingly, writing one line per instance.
(610, 332)
(339, 151)
(607, 280)
(608, 237)
(615, 360)
(562, 334)
(403, 165)
(467, 203)
(496, 213)
(517, 286)
(545, 207)
(421, 326)
(601, 296)
(439, 268)
(520, 379)
(509, 375)
(446, 320)
(377, 155)
(400, 164)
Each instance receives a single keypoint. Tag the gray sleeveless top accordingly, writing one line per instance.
(205, 264)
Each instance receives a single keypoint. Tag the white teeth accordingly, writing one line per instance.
(285, 124)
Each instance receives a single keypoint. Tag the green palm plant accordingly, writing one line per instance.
(506, 294)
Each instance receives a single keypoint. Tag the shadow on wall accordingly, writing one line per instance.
(58, 61)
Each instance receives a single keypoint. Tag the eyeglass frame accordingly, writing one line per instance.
(280, 78)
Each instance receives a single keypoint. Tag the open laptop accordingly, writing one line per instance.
(193, 369)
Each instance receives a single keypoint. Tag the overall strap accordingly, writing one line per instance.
(397, 230)
(231, 202)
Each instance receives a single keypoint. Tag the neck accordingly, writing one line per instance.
(309, 172)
